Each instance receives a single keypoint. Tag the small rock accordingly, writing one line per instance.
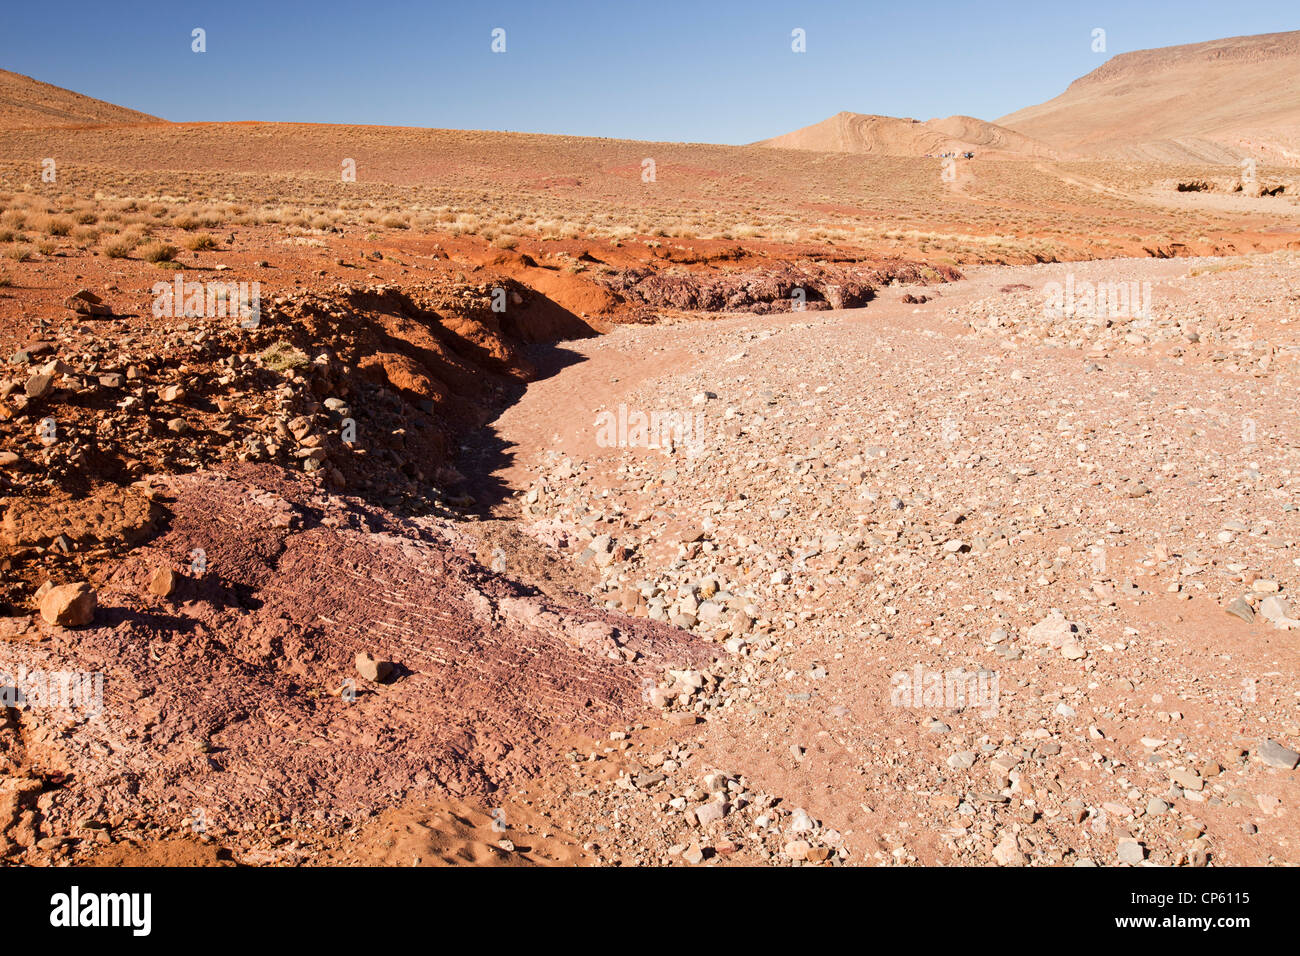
(163, 582)
(1276, 610)
(85, 302)
(373, 669)
(1276, 755)
(710, 812)
(1130, 851)
(69, 605)
(801, 822)
(962, 761)
(38, 386)
(798, 849)
(1053, 630)
(1239, 608)
(1008, 853)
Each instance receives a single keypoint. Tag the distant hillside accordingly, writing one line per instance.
(30, 104)
(892, 136)
(1203, 102)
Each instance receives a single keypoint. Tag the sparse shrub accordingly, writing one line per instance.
(282, 356)
(158, 251)
(47, 248)
(393, 221)
(5, 282)
(20, 253)
(203, 240)
(119, 246)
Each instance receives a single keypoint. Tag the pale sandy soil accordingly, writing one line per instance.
(1037, 465)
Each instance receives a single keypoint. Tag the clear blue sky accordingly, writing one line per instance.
(720, 72)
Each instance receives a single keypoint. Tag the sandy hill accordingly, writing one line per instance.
(1203, 102)
(30, 104)
(894, 136)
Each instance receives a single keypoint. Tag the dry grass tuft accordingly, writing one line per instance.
(158, 251)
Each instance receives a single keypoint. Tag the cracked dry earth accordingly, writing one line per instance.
(708, 655)
(1091, 522)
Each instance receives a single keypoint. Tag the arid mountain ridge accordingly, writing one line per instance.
(26, 103)
(1219, 101)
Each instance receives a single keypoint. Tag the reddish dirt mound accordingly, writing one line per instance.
(772, 288)
(232, 702)
(417, 367)
(409, 370)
